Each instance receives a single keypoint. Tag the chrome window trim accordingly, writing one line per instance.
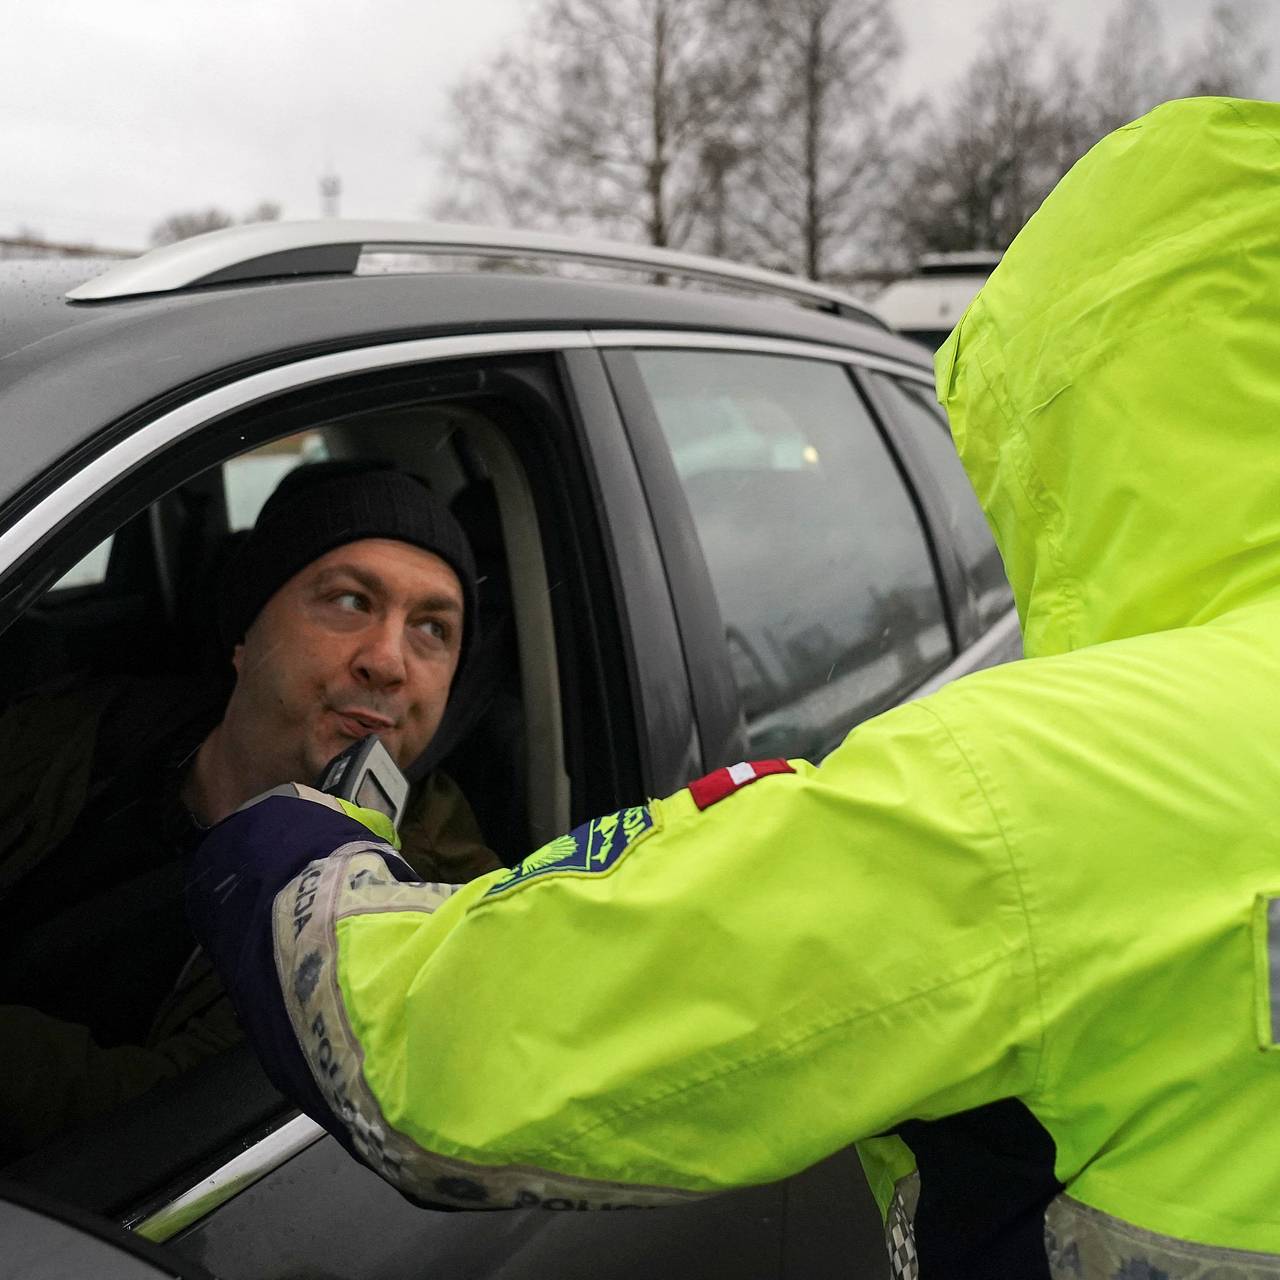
(240, 1172)
(104, 470)
(688, 339)
(1004, 631)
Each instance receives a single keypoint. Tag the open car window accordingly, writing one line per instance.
(90, 571)
(123, 1080)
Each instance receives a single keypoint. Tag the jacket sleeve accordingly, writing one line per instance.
(713, 990)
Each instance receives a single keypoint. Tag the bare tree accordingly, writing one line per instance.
(987, 158)
(498, 166)
(810, 178)
(1131, 73)
(263, 211)
(605, 119)
(1229, 59)
(182, 226)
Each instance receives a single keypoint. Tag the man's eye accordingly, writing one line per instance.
(433, 628)
(352, 601)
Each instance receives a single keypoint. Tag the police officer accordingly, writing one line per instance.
(1020, 940)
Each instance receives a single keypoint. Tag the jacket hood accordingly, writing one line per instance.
(1114, 390)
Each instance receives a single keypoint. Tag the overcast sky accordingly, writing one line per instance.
(114, 113)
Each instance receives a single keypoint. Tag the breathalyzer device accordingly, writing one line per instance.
(365, 774)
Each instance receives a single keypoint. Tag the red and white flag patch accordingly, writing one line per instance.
(724, 782)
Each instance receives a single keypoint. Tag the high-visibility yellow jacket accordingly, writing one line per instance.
(1021, 939)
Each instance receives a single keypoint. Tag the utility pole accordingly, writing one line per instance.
(330, 194)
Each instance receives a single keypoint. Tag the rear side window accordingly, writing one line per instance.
(912, 404)
(820, 567)
(91, 571)
(251, 478)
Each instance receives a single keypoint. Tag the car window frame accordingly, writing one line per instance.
(932, 498)
(976, 646)
(663, 694)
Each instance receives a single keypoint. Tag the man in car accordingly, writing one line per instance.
(1019, 939)
(349, 611)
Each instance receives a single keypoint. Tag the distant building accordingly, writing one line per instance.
(928, 305)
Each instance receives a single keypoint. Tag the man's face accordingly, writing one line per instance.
(363, 640)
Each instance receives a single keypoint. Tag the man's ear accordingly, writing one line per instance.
(237, 657)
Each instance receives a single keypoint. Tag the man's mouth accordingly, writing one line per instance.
(359, 722)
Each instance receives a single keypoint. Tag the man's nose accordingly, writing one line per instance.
(380, 659)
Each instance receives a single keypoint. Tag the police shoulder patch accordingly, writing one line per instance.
(595, 846)
(720, 783)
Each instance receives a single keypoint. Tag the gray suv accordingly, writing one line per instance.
(712, 524)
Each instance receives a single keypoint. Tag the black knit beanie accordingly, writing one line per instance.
(324, 505)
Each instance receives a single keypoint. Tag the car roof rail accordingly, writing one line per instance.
(333, 246)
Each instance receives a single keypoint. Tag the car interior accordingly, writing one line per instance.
(139, 604)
